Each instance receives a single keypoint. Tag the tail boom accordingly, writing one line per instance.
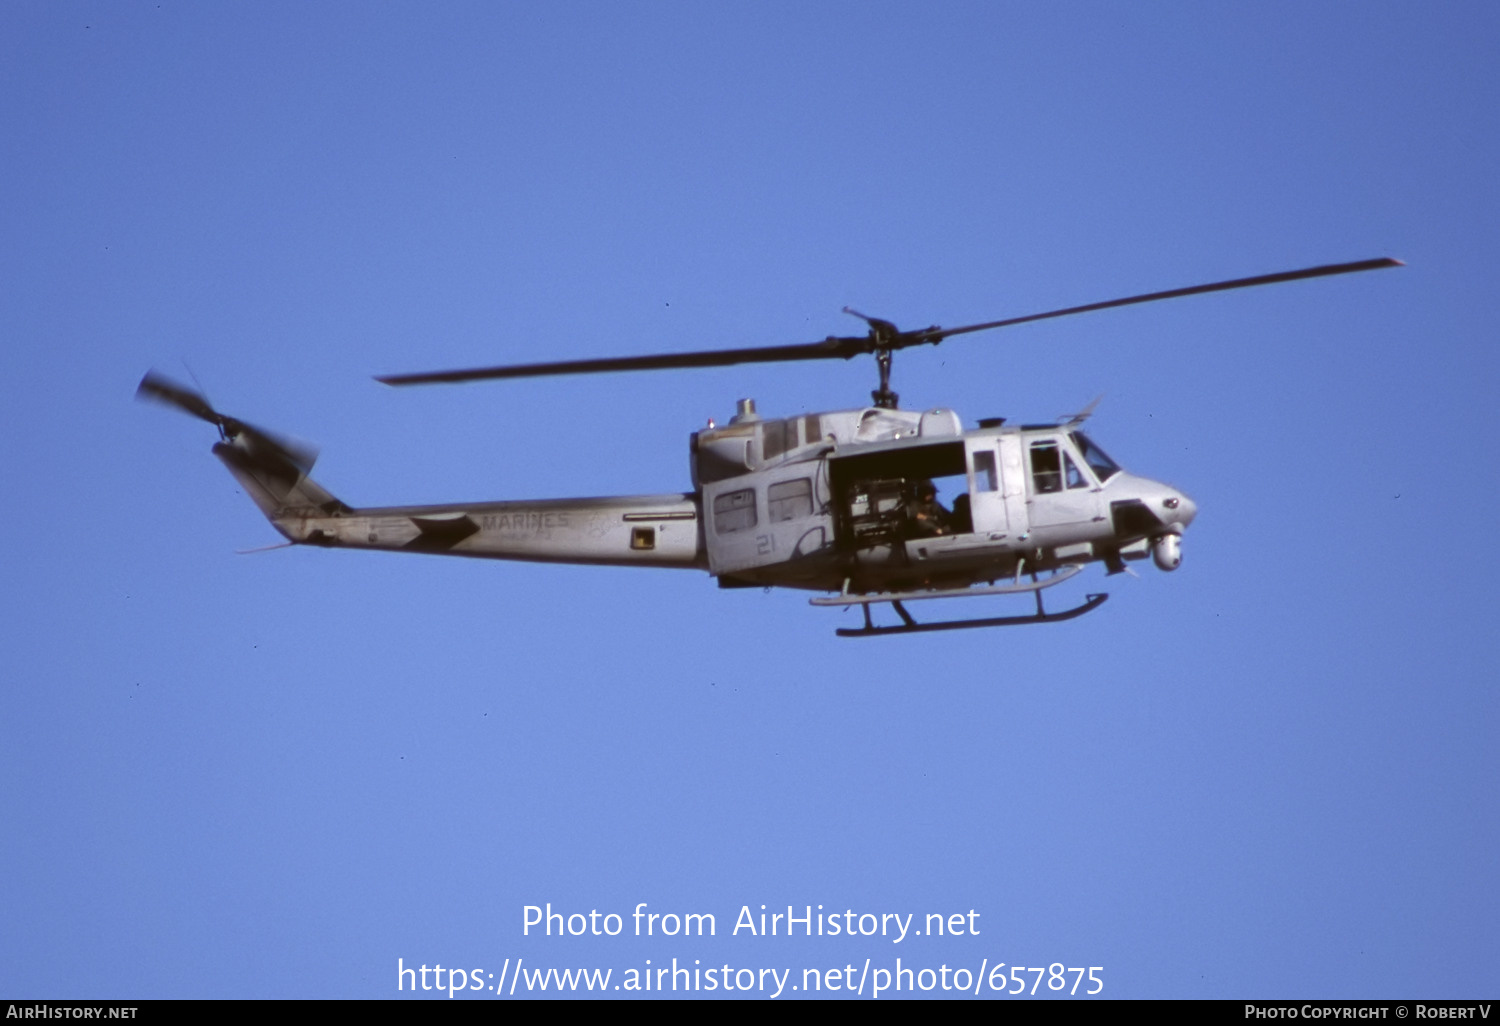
(632, 530)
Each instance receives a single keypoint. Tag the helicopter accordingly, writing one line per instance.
(842, 502)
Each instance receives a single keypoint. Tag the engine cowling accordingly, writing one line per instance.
(1166, 551)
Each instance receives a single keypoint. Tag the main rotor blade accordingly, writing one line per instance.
(883, 337)
(937, 335)
(828, 349)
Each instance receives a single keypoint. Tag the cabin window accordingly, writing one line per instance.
(1046, 469)
(643, 538)
(734, 511)
(985, 478)
(789, 500)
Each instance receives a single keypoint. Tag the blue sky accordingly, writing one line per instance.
(1271, 773)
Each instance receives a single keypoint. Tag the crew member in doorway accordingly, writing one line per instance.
(925, 515)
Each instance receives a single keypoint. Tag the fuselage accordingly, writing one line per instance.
(828, 501)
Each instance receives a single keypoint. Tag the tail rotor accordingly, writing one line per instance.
(274, 453)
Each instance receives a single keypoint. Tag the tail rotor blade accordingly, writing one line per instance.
(159, 388)
(288, 456)
(266, 446)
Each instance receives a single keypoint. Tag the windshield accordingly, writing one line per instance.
(1104, 467)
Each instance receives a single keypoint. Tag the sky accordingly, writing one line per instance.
(293, 774)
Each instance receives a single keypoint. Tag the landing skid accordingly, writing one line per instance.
(910, 626)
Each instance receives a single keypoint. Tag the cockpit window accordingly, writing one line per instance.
(1074, 475)
(1104, 467)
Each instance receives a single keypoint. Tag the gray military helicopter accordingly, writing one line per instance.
(841, 502)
